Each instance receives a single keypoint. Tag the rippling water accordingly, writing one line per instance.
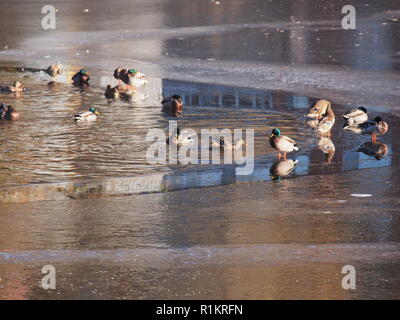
(46, 145)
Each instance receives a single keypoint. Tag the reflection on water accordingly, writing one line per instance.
(282, 168)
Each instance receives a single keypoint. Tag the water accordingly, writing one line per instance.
(52, 148)
(238, 64)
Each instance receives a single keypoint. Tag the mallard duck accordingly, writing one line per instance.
(111, 93)
(16, 87)
(374, 149)
(327, 147)
(172, 104)
(282, 143)
(282, 168)
(138, 80)
(54, 70)
(121, 90)
(8, 112)
(181, 138)
(81, 78)
(327, 121)
(226, 145)
(319, 110)
(372, 127)
(124, 75)
(90, 115)
(125, 90)
(355, 116)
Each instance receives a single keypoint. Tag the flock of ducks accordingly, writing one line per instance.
(321, 119)
(129, 80)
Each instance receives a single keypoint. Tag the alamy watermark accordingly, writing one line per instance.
(349, 20)
(49, 20)
(182, 146)
(349, 280)
(49, 280)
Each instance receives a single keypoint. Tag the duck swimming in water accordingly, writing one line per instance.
(54, 70)
(111, 93)
(90, 115)
(119, 91)
(16, 87)
(8, 112)
(172, 104)
(282, 143)
(372, 127)
(355, 116)
(130, 76)
(81, 78)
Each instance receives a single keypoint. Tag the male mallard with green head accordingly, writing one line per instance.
(81, 78)
(282, 143)
(90, 115)
(124, 75)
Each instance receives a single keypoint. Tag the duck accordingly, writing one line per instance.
(8, 112)
(282, 168)
(119, 91)
(172, 104)
(90, 115)
(54, 70)
(138, 80)
(81, 78)
(372, 127)
(16, 87)
(226, 145)
(282, 143)
(319, 110)
(327, 121)
(326, 145)
(356, 116)
(374, 149)
(124, 75)
(182, 137)
(125, 90)
(111, 93)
